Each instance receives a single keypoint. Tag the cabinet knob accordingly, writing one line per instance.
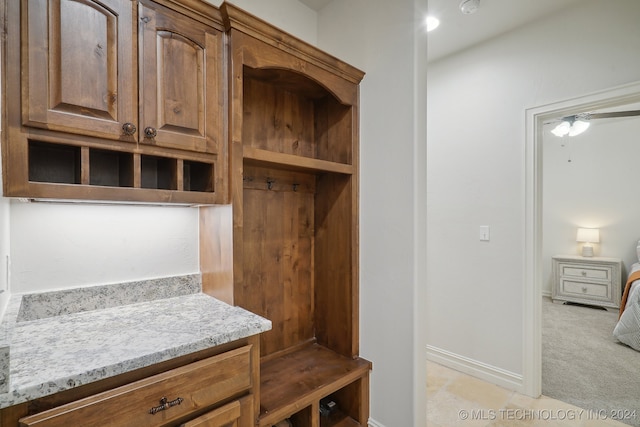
(584, 273)
(584, 289)
(129, 128)
(150, 132)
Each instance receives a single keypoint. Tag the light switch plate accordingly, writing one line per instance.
(484, 233)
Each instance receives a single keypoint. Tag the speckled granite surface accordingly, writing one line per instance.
(57, 353)
(57, 303)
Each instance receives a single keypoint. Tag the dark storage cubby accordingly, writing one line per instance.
(158, 173)
(302, 418)
(54, 163)
(110, 168)
(198, 176)
(347, 408)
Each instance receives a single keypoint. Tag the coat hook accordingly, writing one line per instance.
(270, 183)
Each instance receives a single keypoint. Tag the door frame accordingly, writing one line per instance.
(532, 313)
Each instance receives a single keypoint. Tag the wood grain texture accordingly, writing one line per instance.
(80, 75)
(200, 384)
(79, 69)
(226, 416)
(216, 252)
(278, 242)
(294, 171)
(298, 379)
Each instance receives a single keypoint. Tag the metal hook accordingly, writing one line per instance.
(270, 183)
(295, 187)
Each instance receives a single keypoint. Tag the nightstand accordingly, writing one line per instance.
(592, 281)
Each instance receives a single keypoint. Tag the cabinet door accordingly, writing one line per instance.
(181, 81)
(79, 74)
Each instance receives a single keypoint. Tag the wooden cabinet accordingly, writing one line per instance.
(181, 81)
(213, 388)
(591, 281)
(121, 100)
(294, 178)
(79, 73)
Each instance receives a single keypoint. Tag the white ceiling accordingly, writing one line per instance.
(316, 4)
(458, 31)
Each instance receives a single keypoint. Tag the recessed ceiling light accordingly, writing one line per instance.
(469, 6)
(432, 23)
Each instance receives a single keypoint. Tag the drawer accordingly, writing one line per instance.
(228, 415)
(586, 271)
(585, 290)
(186, 389)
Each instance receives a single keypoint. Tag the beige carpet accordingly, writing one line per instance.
(583, 364)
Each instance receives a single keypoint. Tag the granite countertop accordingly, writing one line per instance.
(54, 350)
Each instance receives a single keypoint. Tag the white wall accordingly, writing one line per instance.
(56, 246)
(590, 181)
(385, 39)
(475, 169)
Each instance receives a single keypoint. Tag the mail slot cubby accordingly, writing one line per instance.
(110, 168)
(158, 173)
(198, 176)
(56, 163)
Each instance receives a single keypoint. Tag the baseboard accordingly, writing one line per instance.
(483, 371)
(546, 293)
(374, 423)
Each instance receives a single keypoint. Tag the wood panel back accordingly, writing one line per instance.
(278, 229)
(277, 120)
(336, 287)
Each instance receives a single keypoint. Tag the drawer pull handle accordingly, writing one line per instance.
(165, 404)
(584, 289)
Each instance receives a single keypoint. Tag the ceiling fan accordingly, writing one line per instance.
(577, 123)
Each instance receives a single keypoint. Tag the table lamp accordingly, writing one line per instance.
(588, 236)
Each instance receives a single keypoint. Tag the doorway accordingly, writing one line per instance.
(535, 119)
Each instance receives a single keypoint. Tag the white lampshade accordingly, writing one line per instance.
(588, 236)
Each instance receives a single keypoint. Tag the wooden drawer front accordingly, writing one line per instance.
(587, 290)
(199, 384)
(226, 416)
(586, 271)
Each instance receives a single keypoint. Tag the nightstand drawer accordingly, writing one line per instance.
(586, 271)
(582, 289)
(594, 281)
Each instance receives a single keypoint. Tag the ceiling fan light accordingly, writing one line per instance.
(578, 127)
(562, 129)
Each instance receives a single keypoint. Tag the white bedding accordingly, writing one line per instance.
(627, 330)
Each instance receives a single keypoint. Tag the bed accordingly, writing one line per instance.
(627, 329)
